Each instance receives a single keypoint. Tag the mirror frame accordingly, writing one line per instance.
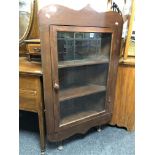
(29, 25)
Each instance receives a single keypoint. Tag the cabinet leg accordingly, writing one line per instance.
(99, 129)
(42, 152)
(41, 130)
(60, 146)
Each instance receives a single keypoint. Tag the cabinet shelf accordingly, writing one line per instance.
(79, 116)
(75, 63)
(80, 91)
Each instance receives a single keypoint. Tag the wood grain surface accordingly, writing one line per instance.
(124, 105)
(26, 67)
(84, 20)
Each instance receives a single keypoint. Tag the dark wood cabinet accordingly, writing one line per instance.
(79, 61)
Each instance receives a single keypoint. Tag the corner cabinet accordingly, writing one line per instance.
(79, 63)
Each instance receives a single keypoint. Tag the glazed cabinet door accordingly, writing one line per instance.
(80, 66)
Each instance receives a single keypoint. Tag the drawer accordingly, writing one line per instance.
(28, 100)
(34, 48)
(29, 93)
(28, 82)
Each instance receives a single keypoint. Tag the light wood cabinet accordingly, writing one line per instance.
(124, 105)
(31, 93)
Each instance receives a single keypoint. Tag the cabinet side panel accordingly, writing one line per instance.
(47, 78)
(124, 105)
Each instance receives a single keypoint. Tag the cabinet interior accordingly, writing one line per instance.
(83, 66)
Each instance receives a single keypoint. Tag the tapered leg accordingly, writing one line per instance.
(41, 130)
(60, 146)
(99, 129)
(42, 152)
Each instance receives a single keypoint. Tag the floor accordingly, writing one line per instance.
(110, 141)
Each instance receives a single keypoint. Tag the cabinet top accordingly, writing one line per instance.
(55, 14)
(26, 67)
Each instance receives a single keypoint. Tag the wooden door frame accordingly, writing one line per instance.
(54, 59)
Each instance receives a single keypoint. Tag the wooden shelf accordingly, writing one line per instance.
(80, 91)
(84, 62)
(79, 116)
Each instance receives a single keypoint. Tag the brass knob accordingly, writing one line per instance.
(56, 86)
(37, 49)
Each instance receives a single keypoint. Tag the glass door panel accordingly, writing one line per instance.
(83, 62)
(81, 107)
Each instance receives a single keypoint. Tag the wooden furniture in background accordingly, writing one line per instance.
(124, 105)
(34, 50)
(33, 32)
(79, 63)
(30, 73)
(30, 93)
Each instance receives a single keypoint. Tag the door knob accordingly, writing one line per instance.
(56, 86)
